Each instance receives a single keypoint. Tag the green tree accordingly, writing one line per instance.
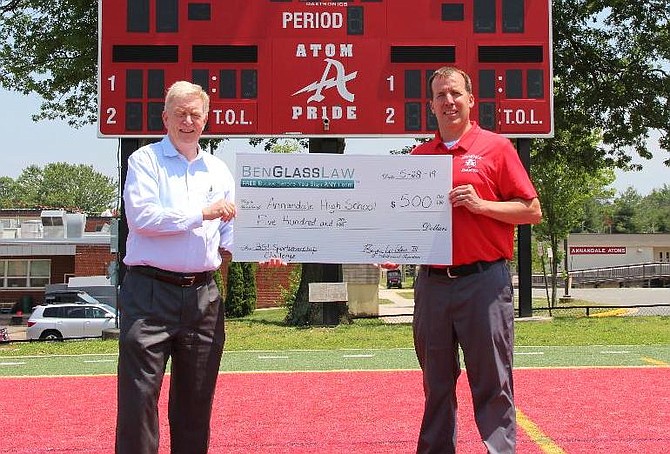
(235, 304)
(277, 145)
(611, 60)
(75, 187)
(250, 291)
(285, 146)
(629, 212)
(50, 48)
(611, 87)
(241, 289)
(8, 193)
(289, 293)
(564, 189)
(593, 220)
(625, 216)
(28, 186)
(654, 211)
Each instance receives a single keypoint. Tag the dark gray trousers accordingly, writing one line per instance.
(477, 313)
(161, 321)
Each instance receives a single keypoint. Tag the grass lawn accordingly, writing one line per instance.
(265, 330)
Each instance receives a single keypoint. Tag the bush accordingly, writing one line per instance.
(237, 304)
(297, 314)
(250, 294)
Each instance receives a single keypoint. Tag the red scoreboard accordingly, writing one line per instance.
(356, 68)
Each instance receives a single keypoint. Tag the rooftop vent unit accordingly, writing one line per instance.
(31, 229)
(75, 223)
(9, 223)
(54, 223)
(10, 228)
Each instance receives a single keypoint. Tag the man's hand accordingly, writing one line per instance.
(466, 196)
(219, 209)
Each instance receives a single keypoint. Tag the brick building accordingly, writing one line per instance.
(48, 247)
(270, 284)
(38, 248)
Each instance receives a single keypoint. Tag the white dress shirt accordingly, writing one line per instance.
(164, 195)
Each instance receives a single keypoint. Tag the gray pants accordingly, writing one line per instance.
(477, 313)
(161, 321)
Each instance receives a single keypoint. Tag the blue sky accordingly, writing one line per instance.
(27, 142)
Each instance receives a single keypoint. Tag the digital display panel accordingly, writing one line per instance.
(356, 68)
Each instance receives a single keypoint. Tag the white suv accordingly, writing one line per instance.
(70, 320)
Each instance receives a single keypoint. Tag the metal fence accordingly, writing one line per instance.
(593, 310)
(582, 310)
(642, 272)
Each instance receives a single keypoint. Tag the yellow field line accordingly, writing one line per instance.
(612, 313)
(546, 444)
(655, 362)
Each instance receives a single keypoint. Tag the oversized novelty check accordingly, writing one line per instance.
(330, 208)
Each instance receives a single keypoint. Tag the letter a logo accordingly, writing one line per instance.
(339, 81)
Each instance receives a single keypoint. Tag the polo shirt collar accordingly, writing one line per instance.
(466, 140)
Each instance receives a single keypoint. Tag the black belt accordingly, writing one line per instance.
(172, 277)
(462, 270)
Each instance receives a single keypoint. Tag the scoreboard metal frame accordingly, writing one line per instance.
(298, 68)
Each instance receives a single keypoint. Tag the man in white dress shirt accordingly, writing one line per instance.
(179, 203)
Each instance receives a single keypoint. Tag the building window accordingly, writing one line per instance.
(40, 273)
(24, 273)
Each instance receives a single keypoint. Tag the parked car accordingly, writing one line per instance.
(393, 278)
(70, 320)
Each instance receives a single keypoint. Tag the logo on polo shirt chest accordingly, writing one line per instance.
(469, 163)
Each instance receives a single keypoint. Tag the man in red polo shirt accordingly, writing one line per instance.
(469, 303)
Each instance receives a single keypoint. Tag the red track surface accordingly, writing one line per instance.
(579, 410)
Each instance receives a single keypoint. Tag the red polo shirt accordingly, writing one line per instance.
(491, 164)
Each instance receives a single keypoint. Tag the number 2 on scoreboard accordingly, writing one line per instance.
(390, 113)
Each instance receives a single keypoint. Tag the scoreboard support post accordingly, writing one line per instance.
(128, 146)
(330, 272)
(524, 256)
(324, 313)
(525, 272)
